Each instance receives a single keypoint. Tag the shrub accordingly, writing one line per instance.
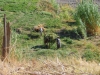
(90, 55)
(87, 16)
(68, 40)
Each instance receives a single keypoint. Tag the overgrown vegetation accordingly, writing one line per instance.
(91, 55)
(88, 17)
(58, 20)
(66, 13)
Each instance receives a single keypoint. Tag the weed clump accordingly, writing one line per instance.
(90, 55)
(88, 18)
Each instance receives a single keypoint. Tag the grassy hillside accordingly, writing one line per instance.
(24, 15)
(27, 45)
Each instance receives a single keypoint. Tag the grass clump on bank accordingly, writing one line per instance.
(88, 17)
(90, 55)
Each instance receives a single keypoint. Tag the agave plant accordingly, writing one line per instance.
(87, 16)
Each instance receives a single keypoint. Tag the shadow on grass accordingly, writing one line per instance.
(73, 34)
(38, 47)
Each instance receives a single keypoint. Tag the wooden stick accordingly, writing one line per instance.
(4, 50)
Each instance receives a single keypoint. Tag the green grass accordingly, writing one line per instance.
(88, 17)
(29, 44)
(18, 5)
(91, 55)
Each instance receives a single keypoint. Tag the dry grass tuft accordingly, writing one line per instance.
(56, 66)
(45, 5)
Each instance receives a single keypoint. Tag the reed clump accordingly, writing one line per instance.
(87, 16)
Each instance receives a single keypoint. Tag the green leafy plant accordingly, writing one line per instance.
(87, 16)
(90, 55)
(68, 40)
